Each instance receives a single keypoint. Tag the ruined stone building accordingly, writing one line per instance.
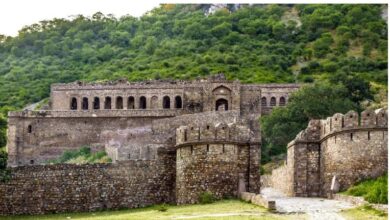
(171, 141)
(344, 149)
(205, 132)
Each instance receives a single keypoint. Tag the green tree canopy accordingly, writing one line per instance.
(311, 102)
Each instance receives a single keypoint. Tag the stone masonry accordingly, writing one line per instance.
(169, 141)
(346, 147)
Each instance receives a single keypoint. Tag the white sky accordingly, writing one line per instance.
(14, 14)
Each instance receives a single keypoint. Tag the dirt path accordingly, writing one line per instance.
(315, 208)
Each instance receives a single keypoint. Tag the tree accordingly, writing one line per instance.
(221, 30)
(358, 89)
(310, 102)
(3, 131)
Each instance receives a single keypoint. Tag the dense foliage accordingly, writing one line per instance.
(253, 44)
(3, 131)
(4, 171)
(314, 101)
(257, 43)
(373, 191)
(82, 156)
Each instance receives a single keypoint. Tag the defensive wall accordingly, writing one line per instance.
(346, 147)
(43, 189)
(35, 137)
(218, 158)
(138, 125)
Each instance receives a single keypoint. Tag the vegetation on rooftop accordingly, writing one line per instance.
(81, 156)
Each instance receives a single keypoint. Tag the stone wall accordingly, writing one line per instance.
(279, 179)
(345, 146)
(208, 168)
(34, 140)
(37, 136)
(216, 159)
(75, 188)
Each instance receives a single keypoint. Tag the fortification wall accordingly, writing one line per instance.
(211, 168)
(345, 146)
(77, 188)
(34, 140)
(217, 158)
(353, 150)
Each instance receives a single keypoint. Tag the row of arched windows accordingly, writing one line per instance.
(131, 103)
(282, 101)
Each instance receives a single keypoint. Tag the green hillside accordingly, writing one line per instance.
(256, 43)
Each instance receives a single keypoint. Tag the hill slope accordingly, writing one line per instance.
(257, 43)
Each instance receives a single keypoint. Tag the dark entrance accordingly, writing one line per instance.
(221, 105)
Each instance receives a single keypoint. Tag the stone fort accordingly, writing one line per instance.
(171, 141)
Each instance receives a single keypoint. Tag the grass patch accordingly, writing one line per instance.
(363, 213)
(223, 209)
(373, 191)
(81, 156)
(206, 198)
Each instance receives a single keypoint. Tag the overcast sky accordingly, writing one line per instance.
(14, 14)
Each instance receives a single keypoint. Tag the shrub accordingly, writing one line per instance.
(206, 198)
(82, 156)
(5, 173)
(308, 79)
(373, 191)
(162, 208)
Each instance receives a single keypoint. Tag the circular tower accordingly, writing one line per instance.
(212, 158)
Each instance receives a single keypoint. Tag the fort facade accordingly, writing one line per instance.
(204, 134)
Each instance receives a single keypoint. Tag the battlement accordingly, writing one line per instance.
(351, 121)
(213, 133)
(320, 129)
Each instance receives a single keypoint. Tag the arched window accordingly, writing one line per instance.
(96, 103)
(107, 103)
(130, 102)
(282, 101)
(178, 102)
(221, 105)
(142, 102)
(73, 104)
(29, 129)
(273, 101)
(85, 103)
(263, 101)
(119, 102)
(166, 102)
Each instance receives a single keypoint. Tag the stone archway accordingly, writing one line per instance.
(221, 105)
(222, 97)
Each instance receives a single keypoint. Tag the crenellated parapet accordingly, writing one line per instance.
(342, 123)
(350, 122)
(213, 133)
(349, 147)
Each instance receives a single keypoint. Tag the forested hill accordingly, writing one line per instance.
(257, 43)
